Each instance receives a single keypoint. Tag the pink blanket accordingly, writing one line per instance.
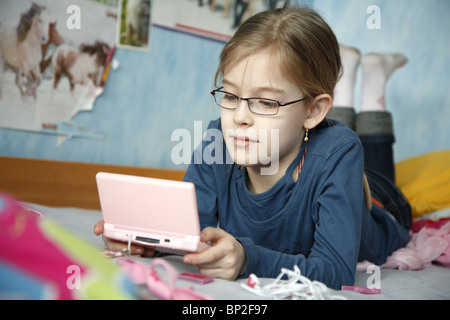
(430, 242)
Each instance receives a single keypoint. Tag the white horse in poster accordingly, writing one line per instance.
(20, 49)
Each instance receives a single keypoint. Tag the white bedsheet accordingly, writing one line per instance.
(430, 283)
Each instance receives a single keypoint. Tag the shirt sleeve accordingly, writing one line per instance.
(201, 174)
(338, 208)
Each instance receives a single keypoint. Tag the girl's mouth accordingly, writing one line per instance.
(243, 141)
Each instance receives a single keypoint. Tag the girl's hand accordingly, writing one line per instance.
(121, 246)
(225, 258)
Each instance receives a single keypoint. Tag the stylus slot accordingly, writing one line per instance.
(149, 240)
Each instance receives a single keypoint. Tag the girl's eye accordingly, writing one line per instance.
(229, 97)
(267, 103)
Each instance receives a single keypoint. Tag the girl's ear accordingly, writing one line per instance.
(318, 109)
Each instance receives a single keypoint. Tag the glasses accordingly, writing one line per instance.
(262, 106)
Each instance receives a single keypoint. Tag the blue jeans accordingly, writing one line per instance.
(379, 169)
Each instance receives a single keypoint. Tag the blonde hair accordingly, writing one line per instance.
(306, 47)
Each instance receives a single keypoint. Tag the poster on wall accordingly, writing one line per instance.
(53, 55)
(211, 19)
(134, 25)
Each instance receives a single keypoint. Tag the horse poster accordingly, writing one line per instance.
(51, 62)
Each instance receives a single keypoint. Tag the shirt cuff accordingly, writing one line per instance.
(250, 257)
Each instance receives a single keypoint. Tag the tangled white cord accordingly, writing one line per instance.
(296, 287)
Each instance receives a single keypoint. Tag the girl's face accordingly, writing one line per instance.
(255, 140)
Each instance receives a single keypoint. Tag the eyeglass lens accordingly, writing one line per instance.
(256, 105)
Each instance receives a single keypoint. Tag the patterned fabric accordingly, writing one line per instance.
(41, 260)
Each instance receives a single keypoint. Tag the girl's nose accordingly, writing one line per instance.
(242, 114)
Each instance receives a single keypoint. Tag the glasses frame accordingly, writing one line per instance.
(213, 93)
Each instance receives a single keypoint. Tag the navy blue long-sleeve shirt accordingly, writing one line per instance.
(319, 223)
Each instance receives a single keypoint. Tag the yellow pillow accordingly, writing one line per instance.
(425, 182)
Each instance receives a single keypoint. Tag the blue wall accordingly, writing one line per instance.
(418, 94)
(152, 94)
(148, 97)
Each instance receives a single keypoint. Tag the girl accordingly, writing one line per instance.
(275, 86)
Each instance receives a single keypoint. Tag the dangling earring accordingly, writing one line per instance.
(306, 135)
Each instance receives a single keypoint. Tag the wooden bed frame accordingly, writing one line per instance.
(64, 184)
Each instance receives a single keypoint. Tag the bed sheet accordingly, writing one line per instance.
(430, 283)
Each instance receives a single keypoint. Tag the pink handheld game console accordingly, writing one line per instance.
(151, 212)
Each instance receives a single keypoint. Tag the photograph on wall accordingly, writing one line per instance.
(211, 19)
(53, 55)
(134, 25)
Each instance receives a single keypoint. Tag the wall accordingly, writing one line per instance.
(149, 96)
(417, 94)
(152, 94)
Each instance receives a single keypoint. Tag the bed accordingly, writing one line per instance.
(65, 193)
